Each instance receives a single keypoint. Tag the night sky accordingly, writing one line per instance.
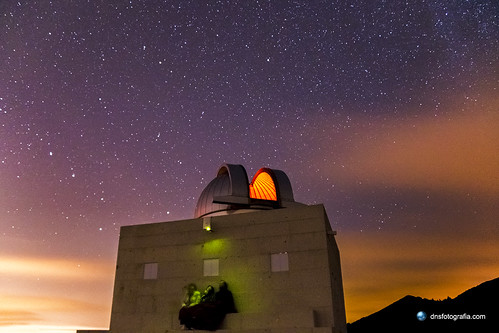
(120, 112)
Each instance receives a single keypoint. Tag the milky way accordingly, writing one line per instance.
(120, 112)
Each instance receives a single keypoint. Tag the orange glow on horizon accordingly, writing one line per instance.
(54, 268)
(375, 274)
(39, 294)
(263, 187)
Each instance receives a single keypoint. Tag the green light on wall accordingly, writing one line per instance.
(215, 246)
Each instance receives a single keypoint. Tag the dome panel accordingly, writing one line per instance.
(219, 186)
(263, 187)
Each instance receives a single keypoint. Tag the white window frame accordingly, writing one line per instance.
(279, 262)
(151, 271)
(211, 267)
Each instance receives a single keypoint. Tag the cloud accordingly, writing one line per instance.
(24, 310)
(38, 290)
(9, 317)
(454, 152)
(36, 303)
(42, 329)
(54, 268)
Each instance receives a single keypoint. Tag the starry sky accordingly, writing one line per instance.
(120, 112)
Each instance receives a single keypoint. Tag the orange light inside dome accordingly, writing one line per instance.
(263, 187)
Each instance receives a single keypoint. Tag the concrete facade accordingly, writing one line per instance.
(156, 260)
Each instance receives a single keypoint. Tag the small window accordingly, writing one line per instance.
(151, 271)
(210, 267)
(279, 262)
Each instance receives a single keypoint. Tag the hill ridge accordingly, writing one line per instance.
(454, 314)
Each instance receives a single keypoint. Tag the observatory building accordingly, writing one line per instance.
(279, 258)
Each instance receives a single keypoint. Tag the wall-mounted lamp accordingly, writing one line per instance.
(207, 224)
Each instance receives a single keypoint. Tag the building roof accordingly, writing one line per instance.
(230, 190)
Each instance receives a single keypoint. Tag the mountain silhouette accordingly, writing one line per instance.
(449, 315)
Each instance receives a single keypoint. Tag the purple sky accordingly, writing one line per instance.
(115, 113)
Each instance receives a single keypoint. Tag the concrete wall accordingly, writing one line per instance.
(243, 244)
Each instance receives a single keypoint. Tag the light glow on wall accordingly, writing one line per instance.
(263, 187)
(215, 246)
